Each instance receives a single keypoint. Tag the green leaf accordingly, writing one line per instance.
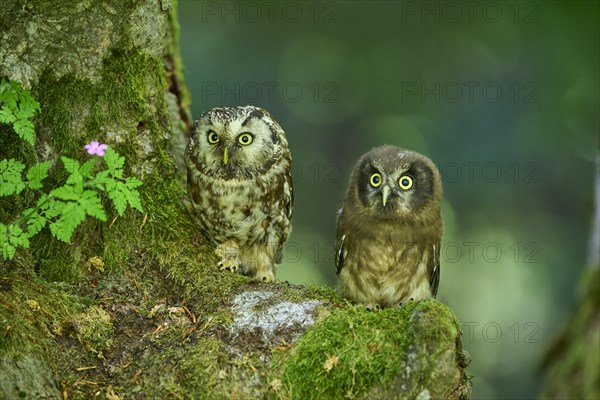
(8, 251)
(75, 178)
(19, 241)
(10, 177)
(63, 228)
(4, 86)
(24, 129)
(27, 102)
(86, 169)
(52, 208)
(100, 180)
(11, 165)
(118, 196)
(25, 114)
(7, 116)
(55, 211)
(114, 162)
(92, 205)
(37, 173)
(35, 222)
(71, 166)
(132, 182)
(18, 107)
(67, 192)
(15, 230)
(9, 99)
(12, 237)
(133, 198)
(111, 185)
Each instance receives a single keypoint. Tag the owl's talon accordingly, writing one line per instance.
(229, 264)
(265, 276)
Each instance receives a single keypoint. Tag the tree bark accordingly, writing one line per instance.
(135, 307)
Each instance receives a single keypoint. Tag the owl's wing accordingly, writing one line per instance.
(434, 268)
(340, 250)
(288, 205)
(288, 193)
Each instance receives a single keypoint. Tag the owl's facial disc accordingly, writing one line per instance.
(389, 190)
(236, 143)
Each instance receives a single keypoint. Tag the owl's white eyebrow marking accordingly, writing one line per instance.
(375, 164)
(252, 115)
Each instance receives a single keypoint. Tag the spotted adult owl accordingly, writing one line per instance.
(240, 187)
(389, 229)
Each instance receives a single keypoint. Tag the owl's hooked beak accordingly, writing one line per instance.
(225, 156)
(385, 194)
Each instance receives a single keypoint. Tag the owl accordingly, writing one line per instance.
(389, 229)
(240, 187)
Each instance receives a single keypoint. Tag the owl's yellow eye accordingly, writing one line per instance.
(405, 182)
(376, 180)
(212, 137)
(245, 138)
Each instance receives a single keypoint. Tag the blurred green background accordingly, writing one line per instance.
(503, 96)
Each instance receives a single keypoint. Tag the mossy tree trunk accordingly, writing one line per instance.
(135, 308)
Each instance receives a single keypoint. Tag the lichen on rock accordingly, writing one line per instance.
(260, 319)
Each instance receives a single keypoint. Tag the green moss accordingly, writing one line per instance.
(34, 344)
(182, 90)
(189, 371)
(12, 15)
(63, 102)
(361, 341)
(162, 200)
(349, 352)
(29, 309)
(129, 92)
(325, 293)
(56, 261)
(132, 79)
(200, 370)
(93, 327)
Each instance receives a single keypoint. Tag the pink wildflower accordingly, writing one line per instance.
(96, 148)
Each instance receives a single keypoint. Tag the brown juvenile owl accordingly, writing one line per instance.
(240, 187)
(389, 229)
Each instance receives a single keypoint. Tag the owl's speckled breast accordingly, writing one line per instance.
(248, 211)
